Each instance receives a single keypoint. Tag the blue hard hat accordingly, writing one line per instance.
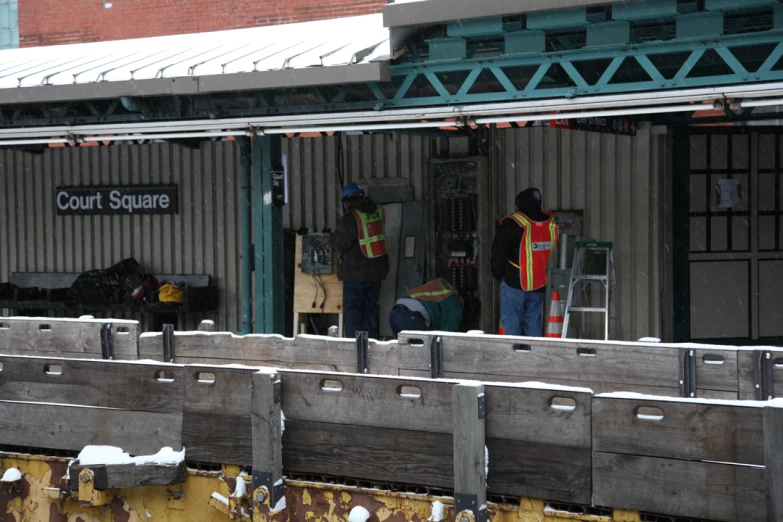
(351, 190)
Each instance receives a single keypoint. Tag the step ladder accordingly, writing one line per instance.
(593, 264)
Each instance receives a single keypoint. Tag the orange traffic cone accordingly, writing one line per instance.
(554, 325)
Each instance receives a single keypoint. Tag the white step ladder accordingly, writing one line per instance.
(593, 263)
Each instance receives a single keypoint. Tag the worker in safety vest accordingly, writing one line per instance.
(520, 255)
(360, 238)
(432, 306)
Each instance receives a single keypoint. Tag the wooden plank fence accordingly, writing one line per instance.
(66, 404)
(669, 370)
(698, 458)
(85, 338)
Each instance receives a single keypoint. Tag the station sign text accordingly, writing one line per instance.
(128, 200)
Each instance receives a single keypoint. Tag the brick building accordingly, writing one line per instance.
(53, 22)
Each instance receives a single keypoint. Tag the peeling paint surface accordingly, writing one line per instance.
(34, 499)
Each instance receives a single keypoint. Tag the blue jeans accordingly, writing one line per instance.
(361, 308)
(521, 312)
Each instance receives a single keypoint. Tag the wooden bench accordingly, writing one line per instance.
(36, 293)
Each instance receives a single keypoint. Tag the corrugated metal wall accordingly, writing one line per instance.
(616, 181)
(202, 239)
(314, 186)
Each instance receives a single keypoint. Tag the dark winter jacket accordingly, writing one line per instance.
(505, 247)
(353, 264)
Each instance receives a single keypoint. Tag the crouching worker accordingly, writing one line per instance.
(432, 306)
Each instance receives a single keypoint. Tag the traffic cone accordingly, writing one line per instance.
(501, 331)
(554, 325)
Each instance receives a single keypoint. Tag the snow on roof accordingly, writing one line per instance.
(205, 60)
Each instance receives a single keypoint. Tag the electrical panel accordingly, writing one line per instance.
(455, 241)
(317, 254)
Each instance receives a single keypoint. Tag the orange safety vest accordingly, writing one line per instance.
(538, 241)
(434, 291)
(372, 235)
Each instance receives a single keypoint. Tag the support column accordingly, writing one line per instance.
(246, 239)
(470, 453)
(267, 238)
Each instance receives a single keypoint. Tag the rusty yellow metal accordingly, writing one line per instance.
(219, 505)
(465, 516)
(239, 505)
(43, 496)
(623, 515)
(88, 495)
(230, 470)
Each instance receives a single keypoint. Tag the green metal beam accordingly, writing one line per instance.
(651, 61)
(267, 237)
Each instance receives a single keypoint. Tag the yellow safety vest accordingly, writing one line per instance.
(435, 291)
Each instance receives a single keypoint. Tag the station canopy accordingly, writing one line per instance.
(403, 13)
(337, 51)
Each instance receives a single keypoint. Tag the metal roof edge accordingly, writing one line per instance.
(427, 12)
(187, 85)
(333, 75)
(100, 90)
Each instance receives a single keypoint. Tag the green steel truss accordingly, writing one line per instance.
(632, 68)
(655, 45)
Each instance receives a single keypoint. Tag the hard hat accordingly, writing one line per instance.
(351, 190)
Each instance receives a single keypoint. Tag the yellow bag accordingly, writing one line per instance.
(170, 294)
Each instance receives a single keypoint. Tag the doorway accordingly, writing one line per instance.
(733, 190)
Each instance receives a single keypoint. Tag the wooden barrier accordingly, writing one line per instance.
(66, 404)
(217, 423)
(668, 370)
(760, 373)
(699, 459)
(539, 442)
(85, 338)
(304, 352)
(600, 366)
(356, 426)
(377, 429)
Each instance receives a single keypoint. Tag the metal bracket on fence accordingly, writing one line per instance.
(168, 343)
(762, 375)
(436, 357)
(466, 504)
(278, 392)
(482, 406)
(362, 352)
(687, 373)
(107, 346)
(265, 479)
